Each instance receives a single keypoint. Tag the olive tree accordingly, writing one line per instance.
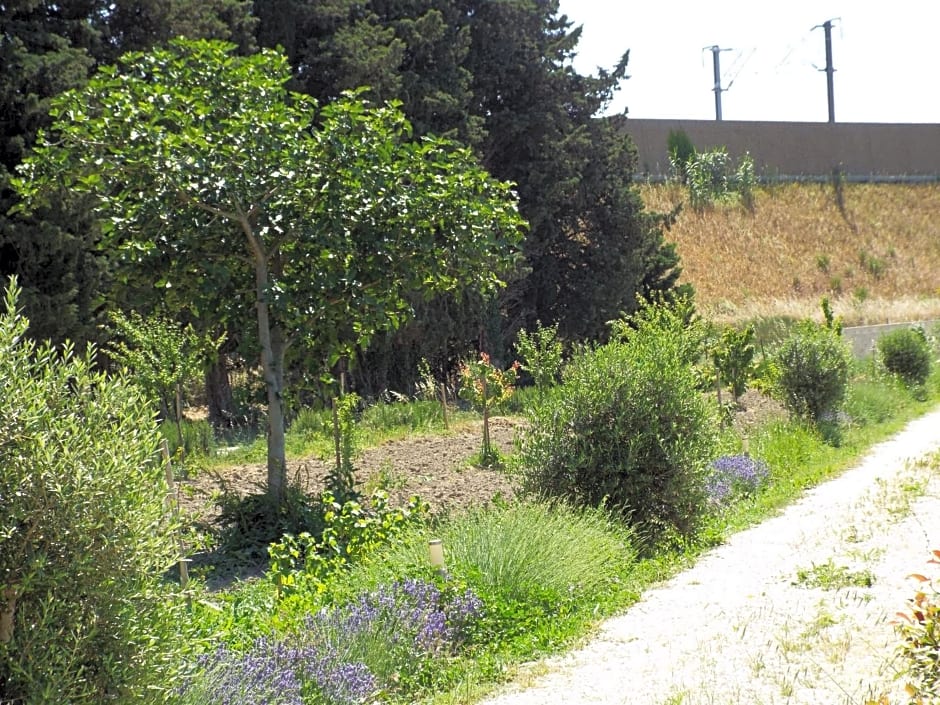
(86, 615)
(210, 176)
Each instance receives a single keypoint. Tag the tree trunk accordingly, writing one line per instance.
(219, 394)
(272, 359)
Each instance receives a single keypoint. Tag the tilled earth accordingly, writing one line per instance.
(436, 468)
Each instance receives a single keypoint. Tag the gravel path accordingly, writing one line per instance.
(742, 628)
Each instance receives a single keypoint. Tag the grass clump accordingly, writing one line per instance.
(830, 576)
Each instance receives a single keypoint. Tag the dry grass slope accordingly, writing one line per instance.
(876, 254)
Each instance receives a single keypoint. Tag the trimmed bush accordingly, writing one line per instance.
(906, 353)
(813, 371)
(85, 615)
(627, 428)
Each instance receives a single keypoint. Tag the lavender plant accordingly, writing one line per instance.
(278, 673)
(266, 674)
(398, 630)
(734, 476)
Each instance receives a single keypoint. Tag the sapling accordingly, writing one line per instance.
(484, 385)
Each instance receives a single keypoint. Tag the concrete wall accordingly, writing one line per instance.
(863, 151)
(863, 338)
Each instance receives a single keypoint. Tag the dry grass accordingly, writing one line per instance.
(877, 257)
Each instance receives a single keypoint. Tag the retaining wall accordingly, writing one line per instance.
(863, 338)
(793, 150)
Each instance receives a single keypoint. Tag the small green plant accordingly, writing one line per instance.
(830, 576)
(681, 153)
(822, 263)
(744, 181)
(541, 354)
(872, 264)
(905, 352)
(919, 627)
(341, 481)
(733, 355)
(812, 372)
(350, 531)
(831, 321)
(486, 386)
(426, 385)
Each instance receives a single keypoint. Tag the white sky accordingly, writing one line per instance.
(886, 54)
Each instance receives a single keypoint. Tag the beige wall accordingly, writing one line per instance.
(800, 148)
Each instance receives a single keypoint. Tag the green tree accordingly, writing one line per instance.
(591, 247)
(498, 76)
(330, 215)
(48, 48)
(163, 357)
(86, 613)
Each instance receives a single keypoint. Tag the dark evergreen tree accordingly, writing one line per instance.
(138, 25)
(45, 48)
(591, 247)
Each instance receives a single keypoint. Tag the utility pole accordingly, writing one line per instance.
(715, 50)
(827, 27)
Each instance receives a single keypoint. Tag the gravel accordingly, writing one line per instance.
(749, 624)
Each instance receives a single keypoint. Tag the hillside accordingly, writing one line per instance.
(876, 255)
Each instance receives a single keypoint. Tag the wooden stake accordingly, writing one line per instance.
(172, 503)
(444, 403)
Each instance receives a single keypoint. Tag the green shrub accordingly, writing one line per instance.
(712, 177)
(85, 616)
(906, 353)
(681, 153)
(628, 428)
(813, 371)
(920, 631)
(733, 355)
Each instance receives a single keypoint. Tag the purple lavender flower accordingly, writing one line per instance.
(266, 674)
(340, 683)
(398, 630)
(734, 475)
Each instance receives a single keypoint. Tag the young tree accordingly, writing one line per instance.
(202, 161)
(86, 613)
(163, 357)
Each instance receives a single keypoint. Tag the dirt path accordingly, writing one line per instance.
(743, 628)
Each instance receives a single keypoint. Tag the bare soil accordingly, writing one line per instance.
(436, 468)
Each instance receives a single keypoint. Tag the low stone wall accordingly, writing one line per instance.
(864, 338)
